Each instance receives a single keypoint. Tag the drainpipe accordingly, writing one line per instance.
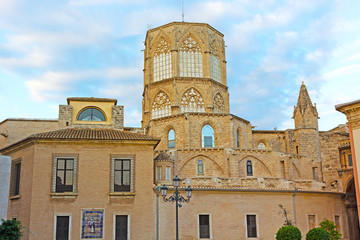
(157, 212)
(295, 191)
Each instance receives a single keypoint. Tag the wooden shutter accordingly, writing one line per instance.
(121, 230)
(62, 227)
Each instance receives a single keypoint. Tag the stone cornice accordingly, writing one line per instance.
(352, 112)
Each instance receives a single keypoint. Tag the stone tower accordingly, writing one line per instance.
(306, 132)
(185, 86)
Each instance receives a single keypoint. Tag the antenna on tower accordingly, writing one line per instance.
(182, 5)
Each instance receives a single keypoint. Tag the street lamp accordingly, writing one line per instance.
(176, 198)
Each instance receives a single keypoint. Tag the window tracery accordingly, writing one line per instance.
(215, 63)
(190, 58)
(162, 61)
(192, 101)
(161, 106)
(218, 104)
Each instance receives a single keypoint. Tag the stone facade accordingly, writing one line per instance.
(234, 171)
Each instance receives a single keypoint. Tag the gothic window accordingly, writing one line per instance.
(249, 168)
(261, 146)
(208, 136)
(171, 139)
(190, 58)
(200, 167)
(162, 61)
(192, 101)
(215, 63)
(161, 106)
(218, 104)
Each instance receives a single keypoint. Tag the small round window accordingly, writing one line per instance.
(91, 114)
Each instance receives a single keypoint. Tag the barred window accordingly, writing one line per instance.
(192, 101)
(162, 61)
(204, 226)
(161, 106)
(249, 168)
(200, 167)
(190, 58)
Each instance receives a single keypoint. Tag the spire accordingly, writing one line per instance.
(305, 113)
(304, 100)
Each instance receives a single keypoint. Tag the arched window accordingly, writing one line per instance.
(161, 106)
(218, 104)
(91, 114)
(249, 168)
(162, 61)
(215, 63)
(171, 139)
(200, 167)
(207, 136)
(192, 101)
(190, 58)
(261, 146)
(237, 139)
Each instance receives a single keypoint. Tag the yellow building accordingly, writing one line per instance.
(239, 176)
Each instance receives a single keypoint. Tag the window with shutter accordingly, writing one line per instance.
(121, 231)
(251, 226)
(62, 227)
(204, 226)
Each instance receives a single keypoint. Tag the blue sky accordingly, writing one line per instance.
(51, 50)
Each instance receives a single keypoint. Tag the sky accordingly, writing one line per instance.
(52, 50)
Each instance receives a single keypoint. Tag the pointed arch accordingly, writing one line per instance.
(213, 166)
(218, 104)
(162, 60)
(190, 58)
(161, 106)
(258, 167)
(215, 66)
(192, 101)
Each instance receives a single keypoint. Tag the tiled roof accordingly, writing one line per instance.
(91, 99)
(163, 157)
(93, 134)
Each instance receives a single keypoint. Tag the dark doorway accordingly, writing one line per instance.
(352, 211)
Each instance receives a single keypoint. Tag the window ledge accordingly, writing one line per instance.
(14, 197)
(121, 194)
(64, 195)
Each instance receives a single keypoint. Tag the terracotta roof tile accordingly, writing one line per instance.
(93, 134)
(91, 99)
(163, 157)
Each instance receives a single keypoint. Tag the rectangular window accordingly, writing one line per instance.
(315, 174)
(251, 226)
(158, 173)
(64, 175)
(62, 227)
(350, 160)
(167, 173)
(311, 219)
(204, 226)
(337, 223)
(15, 178)
(122, 175)
(121, 227)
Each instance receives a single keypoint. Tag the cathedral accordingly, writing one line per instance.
(87, 176)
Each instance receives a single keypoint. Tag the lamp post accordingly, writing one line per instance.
(177, 198)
